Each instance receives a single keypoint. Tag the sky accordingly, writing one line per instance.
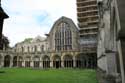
(30, 18)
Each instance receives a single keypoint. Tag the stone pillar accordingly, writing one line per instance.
(67, 64)
(17, 61)
(111, 61)
(41, 64)
(32, 64)
(74, 62)
(11, 62)
(23, 63)
(62, 63)
(87, 63)
(51, 64)
(2, 63)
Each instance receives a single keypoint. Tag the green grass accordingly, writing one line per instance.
(21, 75)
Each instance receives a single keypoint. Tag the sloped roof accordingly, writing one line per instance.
(3, 14)
(66, 19)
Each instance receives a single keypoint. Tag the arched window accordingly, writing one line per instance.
(63, 37)
(42, 48)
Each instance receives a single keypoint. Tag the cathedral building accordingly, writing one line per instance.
(97, 42)
(60, 49)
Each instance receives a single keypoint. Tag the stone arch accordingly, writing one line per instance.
(15, 61)
(36, 61)
(81, 61)
(92, 60)
(86, 60)
(46, 61)
(7, 59)
(20, 61)
(68, 61)
(28, 61)
(56, 61)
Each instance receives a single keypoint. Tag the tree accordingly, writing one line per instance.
(4, 43)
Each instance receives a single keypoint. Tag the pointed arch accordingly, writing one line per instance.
(28, 61)
(68, 61)
(56, 61)
(7, 59)
(20, 61)
(46, 61)
(36, 61)
(15, 61)
(63, 37)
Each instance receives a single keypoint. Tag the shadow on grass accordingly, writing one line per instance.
(2, 72)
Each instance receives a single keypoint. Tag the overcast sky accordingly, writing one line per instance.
(29, 18)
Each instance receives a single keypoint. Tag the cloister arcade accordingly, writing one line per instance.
(46, 61)
(20, 61)
(68, 61)
(36, 62)
(28, 61)
(49, 61)
(86, 60)
(56, 59)
(15, 61)
(7, 59)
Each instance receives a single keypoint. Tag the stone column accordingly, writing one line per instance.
(67, 62)
(51, 64)
(111, 61)
(62, 63)
(31, 63)
(41, 64)
(2, 63)
(23, 63)
(74, 62)
(11, 62)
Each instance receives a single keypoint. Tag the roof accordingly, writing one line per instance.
(3, 14)
(63, 18)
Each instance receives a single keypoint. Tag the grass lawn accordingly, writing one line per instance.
(21, 75)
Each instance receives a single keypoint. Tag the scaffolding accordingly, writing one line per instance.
(88, 19)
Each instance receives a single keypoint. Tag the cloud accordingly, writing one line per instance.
(29, 18)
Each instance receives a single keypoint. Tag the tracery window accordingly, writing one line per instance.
(63, 37)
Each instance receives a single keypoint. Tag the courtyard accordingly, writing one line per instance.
(29, 75)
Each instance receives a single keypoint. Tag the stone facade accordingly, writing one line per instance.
(60, 49)
(37, 44)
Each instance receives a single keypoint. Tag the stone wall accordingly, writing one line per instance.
(110, 56)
